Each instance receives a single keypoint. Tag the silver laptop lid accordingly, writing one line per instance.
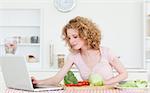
(15, 72)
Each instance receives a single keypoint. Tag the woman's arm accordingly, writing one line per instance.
(122, 73)
(58, 77)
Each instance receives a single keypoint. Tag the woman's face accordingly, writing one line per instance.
(75, 41)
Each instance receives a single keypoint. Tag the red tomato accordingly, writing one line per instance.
(79, 84)
(83, 83)
(79, 81)
(68, 85)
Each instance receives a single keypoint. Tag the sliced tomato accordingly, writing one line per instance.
(85, 82)
(80, 83)
(68, 85)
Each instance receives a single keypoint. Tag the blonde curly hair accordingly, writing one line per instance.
(87, 30)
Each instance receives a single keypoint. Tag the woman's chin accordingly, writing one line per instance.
(76, 48)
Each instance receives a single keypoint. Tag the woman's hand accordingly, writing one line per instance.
(105, 82)
(35, 81)
(108, 84)
(49, 81)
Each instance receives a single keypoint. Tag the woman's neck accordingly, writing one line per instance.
(84, 50)
(87, 52)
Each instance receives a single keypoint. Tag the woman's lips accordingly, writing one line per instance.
(74, 45)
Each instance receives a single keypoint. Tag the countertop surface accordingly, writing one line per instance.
(85, 90)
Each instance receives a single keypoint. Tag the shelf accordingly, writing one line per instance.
(147, 60)
(20, 26)
(25, 44)
(147, 37)
(148, 18)
(147, 50)
(29, 44)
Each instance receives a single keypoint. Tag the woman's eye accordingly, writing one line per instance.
(75, 36)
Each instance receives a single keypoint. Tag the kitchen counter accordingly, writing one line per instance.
(86, 90)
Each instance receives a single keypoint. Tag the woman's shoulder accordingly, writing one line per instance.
(106, 51)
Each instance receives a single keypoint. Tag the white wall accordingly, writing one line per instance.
(120, 21)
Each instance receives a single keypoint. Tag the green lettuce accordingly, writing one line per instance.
(95, 80)
(135, 84)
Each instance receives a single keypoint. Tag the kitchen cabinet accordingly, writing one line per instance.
(24, 24)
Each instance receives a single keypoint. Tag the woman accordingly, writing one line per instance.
(84, 38)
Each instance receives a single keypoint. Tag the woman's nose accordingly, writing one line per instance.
(72, 40)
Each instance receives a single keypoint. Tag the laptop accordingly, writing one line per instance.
(16, 75)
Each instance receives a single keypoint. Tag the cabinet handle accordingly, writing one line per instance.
(51, 54)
